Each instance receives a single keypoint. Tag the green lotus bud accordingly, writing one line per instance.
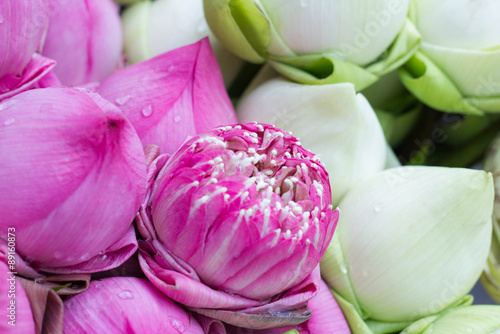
(477, 319)
(456, 68)
(410, 242)
(491, 275)
(320, 41)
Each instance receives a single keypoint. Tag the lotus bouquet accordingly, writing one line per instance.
(249, 166)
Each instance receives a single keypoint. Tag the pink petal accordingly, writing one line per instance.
(112, 257)
(22, 26)
(170, 97)
(36, 70)
(66, 159)
(126, 305)
(22, 316)
(85, 38)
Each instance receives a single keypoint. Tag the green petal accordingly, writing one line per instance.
(405, 45)
(322, 69)
(240, 26)
(431, 86)
(335, 273)
(356, 323)
(487, 104)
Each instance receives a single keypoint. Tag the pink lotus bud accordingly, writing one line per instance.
(237, 220)
(22, 26)
(72, 177)
(327, 317)
(85, 38)
(126, 305)
(170, 97)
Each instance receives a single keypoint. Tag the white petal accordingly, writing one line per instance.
(415, 239)
(330, 120)
(356, 30)
(475, 73)
(462, 24)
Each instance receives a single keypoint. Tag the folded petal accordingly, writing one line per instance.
(67, 158)
(22, 27)
(85, 38)
(172, 96)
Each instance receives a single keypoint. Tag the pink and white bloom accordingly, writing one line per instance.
(235, 223)
(85, 38)
(126, 305)
(173, 96)
(22, 28)
(72, 177)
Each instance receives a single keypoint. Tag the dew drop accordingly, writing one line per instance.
(10, 121)
(177, 119)
(1, 18)
(7, 104)
(126, 294)
(304, 3)
(123, 99)
(171, 68)
(177, 325)
(98, 285)
(377, 208)
(147, 111)
(343, 268)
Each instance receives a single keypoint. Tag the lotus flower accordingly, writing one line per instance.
(456, 68)
(126, 305)
(172, 96)
(331, 120)
(152, 28)
(320, 41)
(85, 38)
(235, 223)
(411, 242)
(326, 317)
(477, 319)
(67, 160)
(22, 26)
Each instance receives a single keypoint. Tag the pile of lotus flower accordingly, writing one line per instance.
(249, 166)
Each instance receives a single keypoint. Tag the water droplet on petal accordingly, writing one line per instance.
(147, 111)
(177, 119)
(10, 121)
(1, 18)
(171, 68)
(304, 3)
(177, 325)
(343, 268)
(98, 285)
(123, 99)
(126, 294)
(377, 208)
(7, 104)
